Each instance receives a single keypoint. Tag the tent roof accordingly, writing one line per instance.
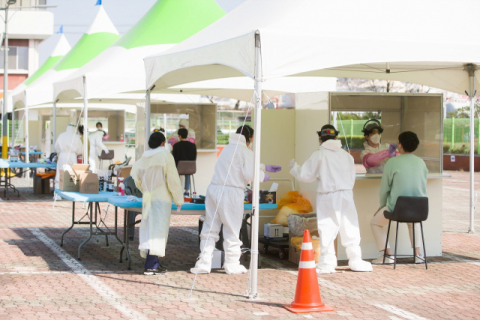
(61, 48)
(120, 68)
(297, 40)
(90, 45)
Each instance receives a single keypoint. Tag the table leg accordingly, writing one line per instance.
(116, 227)
(90, 206)
(73, 222)
(97, 206)
(7, 182)
(124, 233)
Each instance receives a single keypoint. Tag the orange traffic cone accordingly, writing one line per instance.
(307, 296)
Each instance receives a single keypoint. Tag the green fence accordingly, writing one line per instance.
(456, 135)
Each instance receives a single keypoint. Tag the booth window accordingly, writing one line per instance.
(420, 113)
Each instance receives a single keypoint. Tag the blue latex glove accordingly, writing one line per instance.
(272, 168)
(392, 148)
(267, 177)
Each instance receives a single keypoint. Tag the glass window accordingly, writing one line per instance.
(420, 113)
(17, 58)
(22, 58)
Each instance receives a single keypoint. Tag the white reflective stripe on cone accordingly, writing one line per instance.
(306, 265)
(307, 246)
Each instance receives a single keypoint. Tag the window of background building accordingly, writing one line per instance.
(17, 58)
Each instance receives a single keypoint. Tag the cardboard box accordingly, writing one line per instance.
(68, 180)
(272, 231)
(88, 182)
(69, 177)
(294, 253)
(124, 172)
(41, 186)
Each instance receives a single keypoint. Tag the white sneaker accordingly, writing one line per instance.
(359, 265)
(419, 259)
(234, 268)
(388, 260)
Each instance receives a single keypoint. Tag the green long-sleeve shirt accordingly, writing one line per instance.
(405, 175)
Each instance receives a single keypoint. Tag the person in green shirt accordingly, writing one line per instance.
(405, 175)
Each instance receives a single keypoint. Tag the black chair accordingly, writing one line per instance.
(187, 168)
(407, 210)
(131, 190)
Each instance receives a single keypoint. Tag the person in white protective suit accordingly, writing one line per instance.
(183, 123)
(156, 176)
(224, 202)
(96, 147)
(334, 169)
(67, 146)
(376, 154)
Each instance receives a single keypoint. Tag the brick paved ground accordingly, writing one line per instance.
(41, 280)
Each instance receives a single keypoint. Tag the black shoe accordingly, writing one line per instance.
(158, 271)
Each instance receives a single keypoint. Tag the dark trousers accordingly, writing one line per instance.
(152, 262)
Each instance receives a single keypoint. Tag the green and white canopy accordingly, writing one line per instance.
(60, 50)
(120, 68)
(99, 36)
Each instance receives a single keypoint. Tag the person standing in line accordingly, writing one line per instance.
(156, 176)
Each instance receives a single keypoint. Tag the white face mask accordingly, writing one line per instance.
(375, 138)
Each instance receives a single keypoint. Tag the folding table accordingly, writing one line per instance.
(7, 164)
(93, 200)
(187, 209)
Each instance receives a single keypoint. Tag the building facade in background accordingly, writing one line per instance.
(27, 28)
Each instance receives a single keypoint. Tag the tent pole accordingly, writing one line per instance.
(13, 127)
(471, 73)
(27, 138)
(54, 125)
(147, 120)
(85, 122)
(256, 179)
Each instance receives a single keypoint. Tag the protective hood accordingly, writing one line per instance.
(237, 138)
(333, 145)
(183, 122)
(71, 129)
(152, 152)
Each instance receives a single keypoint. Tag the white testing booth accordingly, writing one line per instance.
(289, 134)
(202, 119)
(117, 120)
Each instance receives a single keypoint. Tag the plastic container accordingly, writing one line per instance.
(121, 187)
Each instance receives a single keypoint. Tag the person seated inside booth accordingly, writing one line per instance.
(184, 150)
(404, 175)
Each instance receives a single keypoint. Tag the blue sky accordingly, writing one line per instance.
(76, 16)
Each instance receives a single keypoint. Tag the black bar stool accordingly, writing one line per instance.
(187, 168)
(407, 210)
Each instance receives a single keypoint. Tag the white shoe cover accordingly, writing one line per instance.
(325, 269)
(202, 266)
(360, 266)
(388, 260)
(237, 268)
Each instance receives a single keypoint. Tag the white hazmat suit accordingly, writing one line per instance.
(155, 174)
(227, 203)
(368, 149)
(96, 147)
(334, 169)
(67, 146)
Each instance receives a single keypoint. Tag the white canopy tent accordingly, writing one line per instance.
(426, 42)
(97, 38)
